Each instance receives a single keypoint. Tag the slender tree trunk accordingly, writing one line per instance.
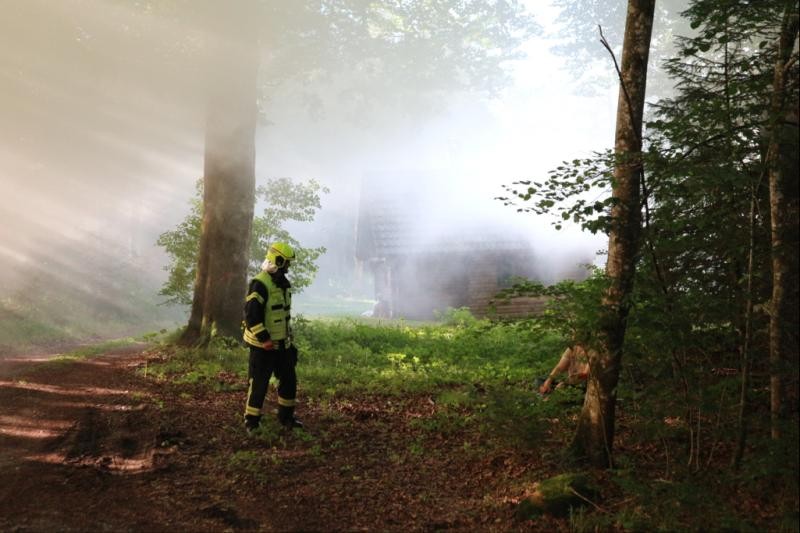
(594, 436)
(747, 342)
(229, 176)
(782, 161)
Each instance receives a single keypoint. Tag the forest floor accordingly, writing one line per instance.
(93, 444)
(107, 440)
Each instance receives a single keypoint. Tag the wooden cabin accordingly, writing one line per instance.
(424, 259)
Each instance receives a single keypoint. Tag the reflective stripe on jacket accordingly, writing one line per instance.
(276, 312)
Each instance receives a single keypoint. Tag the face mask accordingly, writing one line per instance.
(269, 267)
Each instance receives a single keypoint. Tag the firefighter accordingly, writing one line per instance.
(268, 334)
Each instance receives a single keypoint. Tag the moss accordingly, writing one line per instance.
(556, 496)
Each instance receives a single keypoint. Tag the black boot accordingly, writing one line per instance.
(251, 422)
(286, 417)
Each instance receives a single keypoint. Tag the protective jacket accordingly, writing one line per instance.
(267, 309)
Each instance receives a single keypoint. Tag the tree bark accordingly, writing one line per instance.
(782, 161)
(594, 436)
(747, 335)
(192, 333)
(228, 177)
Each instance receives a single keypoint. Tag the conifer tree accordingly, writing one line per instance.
(718, 154)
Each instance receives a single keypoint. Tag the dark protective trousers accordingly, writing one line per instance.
(263, 364)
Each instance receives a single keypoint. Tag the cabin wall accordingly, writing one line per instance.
(422, 285)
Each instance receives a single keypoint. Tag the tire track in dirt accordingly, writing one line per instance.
(82, 448)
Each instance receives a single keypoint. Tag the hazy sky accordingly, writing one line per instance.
(101, 137)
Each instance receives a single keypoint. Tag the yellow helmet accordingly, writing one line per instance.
(280, 254)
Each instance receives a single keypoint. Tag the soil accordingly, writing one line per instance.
(97, 445)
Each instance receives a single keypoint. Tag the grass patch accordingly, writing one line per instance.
(466, 387)
(479, 374)
(350, 356)
(220, 359)
(443, 424)
(93, 350)
(103, 347)
(28, 324)
(269, 432)
(252, 463)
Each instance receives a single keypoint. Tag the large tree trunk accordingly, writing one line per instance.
(192, 333)
(782, 161)
(594, 436)
(229, 176)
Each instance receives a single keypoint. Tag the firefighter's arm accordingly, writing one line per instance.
(254, 310)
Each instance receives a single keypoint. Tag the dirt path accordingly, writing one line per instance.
(78, 447)
(81, 449)
(92, 445)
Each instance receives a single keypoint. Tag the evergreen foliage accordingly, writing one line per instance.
(699, 305)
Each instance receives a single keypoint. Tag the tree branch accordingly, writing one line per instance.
(792, 60)
(604, 42)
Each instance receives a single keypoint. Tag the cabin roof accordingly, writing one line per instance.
(402, 213)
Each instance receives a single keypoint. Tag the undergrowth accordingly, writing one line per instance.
(479, 375)
(52, 321)
(345, 357)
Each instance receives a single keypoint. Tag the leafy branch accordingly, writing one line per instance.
(285, 201)
(568, 192)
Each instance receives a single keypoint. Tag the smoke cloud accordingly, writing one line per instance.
(102, 115)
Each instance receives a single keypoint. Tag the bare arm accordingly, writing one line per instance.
(563, 363)
(561, 366)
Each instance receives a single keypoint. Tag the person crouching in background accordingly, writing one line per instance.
(574, 363)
